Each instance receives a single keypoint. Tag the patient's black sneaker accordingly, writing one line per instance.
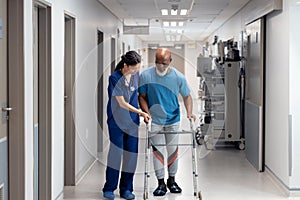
(160, 190)
(173, 187)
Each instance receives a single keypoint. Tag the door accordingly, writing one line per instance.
(69, 97)
(100, 111)
(3, 99)
(16, 97)
(254, 91)
(113, 55)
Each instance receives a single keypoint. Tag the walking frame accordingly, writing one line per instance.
(148, 145)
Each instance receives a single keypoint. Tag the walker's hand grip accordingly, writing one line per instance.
(148, 126)
(191, 124)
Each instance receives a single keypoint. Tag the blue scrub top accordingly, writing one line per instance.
(162, 94)
(118, 86)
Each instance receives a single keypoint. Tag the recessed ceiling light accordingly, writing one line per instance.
(164, 12)
(178, 37)
(173, 23)
(180, 23)
(168, 38)
(174, 12)
(173, 38)
(166, 24)
(183, 12)
(179, 31)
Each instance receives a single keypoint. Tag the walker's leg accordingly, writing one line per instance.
(146, 177)
(195, 174)
(147, 166)
(195, 165)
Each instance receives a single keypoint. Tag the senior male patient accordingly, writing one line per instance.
(158, 96)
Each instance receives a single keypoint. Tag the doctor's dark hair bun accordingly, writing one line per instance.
(130, 58)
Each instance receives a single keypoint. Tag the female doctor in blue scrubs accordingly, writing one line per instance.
(123, 121)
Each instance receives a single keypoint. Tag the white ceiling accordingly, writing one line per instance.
(205, 16)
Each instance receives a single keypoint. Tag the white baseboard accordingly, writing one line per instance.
(85, 170)
(294, 193)
(281, 186)
(60, 196)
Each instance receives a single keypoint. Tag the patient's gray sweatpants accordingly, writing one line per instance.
(158, 151)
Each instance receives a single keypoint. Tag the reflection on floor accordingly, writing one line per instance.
(224, 174)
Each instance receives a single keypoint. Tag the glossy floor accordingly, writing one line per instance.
(224, 174)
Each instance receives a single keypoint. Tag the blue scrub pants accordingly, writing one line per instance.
(123, 143)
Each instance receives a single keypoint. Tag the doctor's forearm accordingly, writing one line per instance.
(127, 106)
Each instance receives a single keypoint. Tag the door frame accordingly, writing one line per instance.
(16, 99)
(69, 99)
(44, 101)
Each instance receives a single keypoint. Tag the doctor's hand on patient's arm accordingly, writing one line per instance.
(144, 106)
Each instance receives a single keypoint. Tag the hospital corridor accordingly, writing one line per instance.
(149, 99)
(224, 173)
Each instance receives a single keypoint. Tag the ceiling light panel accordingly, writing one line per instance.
(174, 12)
(168, 38)
(166, 24)
(164, 12)
(173, 23)
(183, 12)
(180, 23)
(175, 5)
(173, 38)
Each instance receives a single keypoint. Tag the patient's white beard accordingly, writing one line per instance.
(159, 73)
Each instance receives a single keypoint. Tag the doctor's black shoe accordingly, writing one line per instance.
(160, 190)
(173, 187)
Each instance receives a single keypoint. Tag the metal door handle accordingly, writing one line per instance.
(7, 109)
(66, 97)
